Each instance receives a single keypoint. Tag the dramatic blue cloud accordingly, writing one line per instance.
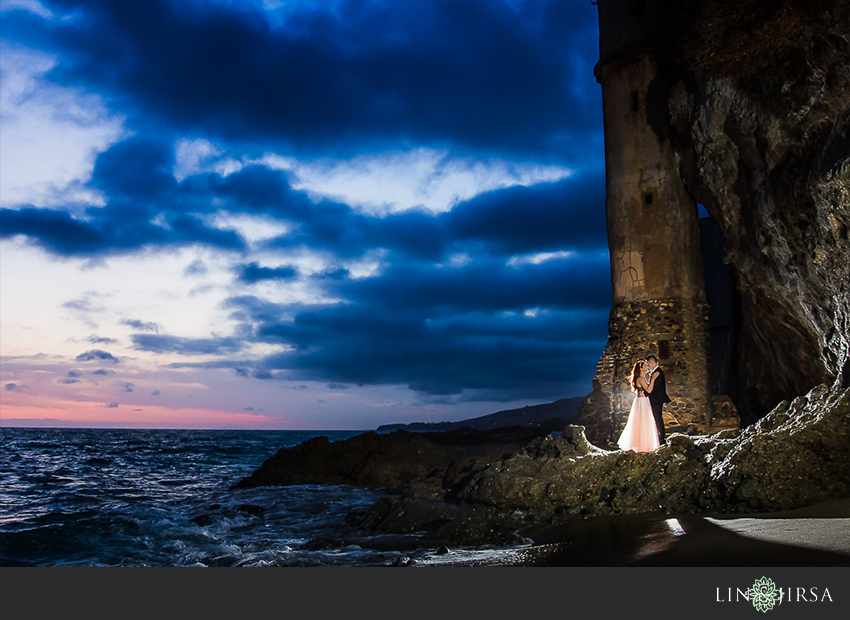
(505, 357)
(484, 76)
(255, 273)
(143, 326)
(547, 217)
(111, 230)
(489, 326)
(101, 340)
(503, 295)
(185, 346)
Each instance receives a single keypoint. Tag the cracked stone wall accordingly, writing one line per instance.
(674, 331)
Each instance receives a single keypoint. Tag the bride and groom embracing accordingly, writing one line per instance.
(644, 430)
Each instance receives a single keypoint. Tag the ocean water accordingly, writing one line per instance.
(110, 497)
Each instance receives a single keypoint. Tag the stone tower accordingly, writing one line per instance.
(653, 229)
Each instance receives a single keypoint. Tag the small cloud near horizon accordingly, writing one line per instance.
(96, 354)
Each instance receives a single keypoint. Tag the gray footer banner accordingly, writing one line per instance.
(447, 592)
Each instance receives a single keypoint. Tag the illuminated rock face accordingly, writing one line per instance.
(761, 124)
(744, 108)
(654, 242)
(796, 455)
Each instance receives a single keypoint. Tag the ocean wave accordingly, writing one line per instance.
(164, 498)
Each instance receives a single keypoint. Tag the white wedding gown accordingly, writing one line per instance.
(640, 433)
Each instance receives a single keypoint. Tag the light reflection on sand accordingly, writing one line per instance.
(824, 534)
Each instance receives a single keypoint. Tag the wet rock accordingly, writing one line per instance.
(672, 468)
(374, 515)
(479, 526)
(202, 520)
(251, 509)
(392, 461)
(403, 561)
(746, 489)
(415, 515)
(321, 543)
(389, 542)
(225, 561)
(679, 440)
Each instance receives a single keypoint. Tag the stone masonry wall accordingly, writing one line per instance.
(675, 332)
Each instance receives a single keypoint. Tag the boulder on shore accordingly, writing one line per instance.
(395, 461)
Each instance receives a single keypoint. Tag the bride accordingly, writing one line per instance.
(640, 433)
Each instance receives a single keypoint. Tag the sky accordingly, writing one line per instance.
(313, 215)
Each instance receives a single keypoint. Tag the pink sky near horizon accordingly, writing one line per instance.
(26, 410)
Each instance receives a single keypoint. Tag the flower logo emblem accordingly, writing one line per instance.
(764, 594)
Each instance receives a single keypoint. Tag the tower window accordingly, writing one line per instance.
(647, 199)
(634, 101)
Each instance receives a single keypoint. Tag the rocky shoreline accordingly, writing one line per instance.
(500, 487)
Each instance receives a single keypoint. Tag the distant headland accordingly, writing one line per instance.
(548, 416)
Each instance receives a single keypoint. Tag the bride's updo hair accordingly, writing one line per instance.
(637, 371)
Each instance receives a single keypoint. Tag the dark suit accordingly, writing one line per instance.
(657, 398)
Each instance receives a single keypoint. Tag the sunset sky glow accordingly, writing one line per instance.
(298, 214)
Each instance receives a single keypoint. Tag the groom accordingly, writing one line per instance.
(658, 395)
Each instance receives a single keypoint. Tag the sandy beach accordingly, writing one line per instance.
(814, 536)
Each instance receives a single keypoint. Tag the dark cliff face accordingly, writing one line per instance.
(758, 110)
